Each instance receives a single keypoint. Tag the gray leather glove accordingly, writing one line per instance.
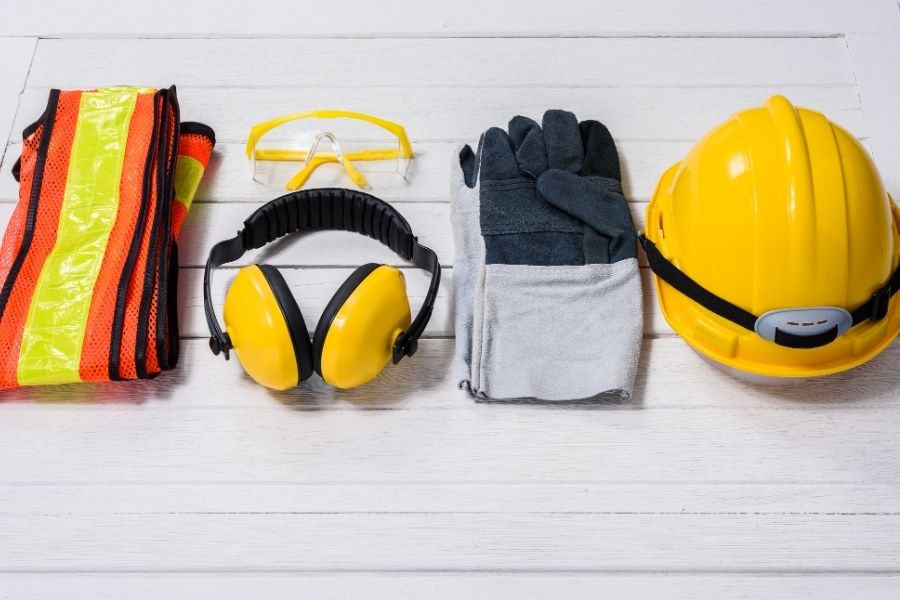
(546, 285)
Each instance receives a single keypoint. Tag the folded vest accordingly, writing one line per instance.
(89, 261)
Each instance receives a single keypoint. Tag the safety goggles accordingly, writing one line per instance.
(365, 146)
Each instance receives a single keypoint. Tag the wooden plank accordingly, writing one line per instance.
(161, 442)
(452, 542)
(447, 586)
(877, 66)
(54, 18)
(670, 377)
(581, 62)
(16, 56)
(311, 498)
(453, 113)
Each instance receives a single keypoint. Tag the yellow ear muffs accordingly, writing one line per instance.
(355, 337)
(266, 328)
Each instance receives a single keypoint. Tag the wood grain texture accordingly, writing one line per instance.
(876, 59)
(359, 18)
(413, 426)
(454, 112)
(582, 62)
(456, 542)
(472, 444)
(670, 377)
(15, 60)
(609, 497)
(446, 586)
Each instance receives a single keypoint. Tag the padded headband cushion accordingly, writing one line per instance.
(294, 320)
(329, 208)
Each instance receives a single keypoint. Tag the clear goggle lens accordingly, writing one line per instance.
(334, 152)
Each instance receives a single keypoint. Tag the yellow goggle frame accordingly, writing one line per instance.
(314, 160)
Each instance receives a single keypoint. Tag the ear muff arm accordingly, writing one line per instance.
(408, 342)
(224, 252)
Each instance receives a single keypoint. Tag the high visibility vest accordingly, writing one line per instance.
(89, 261)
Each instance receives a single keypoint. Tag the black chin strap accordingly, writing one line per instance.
(668, 272)
(317, 210)
(875, 309)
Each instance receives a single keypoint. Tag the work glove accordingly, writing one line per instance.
(546, 286)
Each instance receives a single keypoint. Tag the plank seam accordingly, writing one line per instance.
(298, 513)
(500, 35)
(451, 571)
(9, 137)
(854, 72)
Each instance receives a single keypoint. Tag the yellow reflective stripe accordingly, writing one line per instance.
(55, 327)
(188, 173)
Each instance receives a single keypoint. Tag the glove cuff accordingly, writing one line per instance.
(557, 333)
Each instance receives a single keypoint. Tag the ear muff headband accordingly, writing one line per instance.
(320, 210)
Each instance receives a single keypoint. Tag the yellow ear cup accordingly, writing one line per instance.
(255, 321)
(356, 343)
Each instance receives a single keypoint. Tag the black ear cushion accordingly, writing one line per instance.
(294, 319)
(334, 305)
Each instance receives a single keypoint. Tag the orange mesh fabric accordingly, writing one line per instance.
(136, 288)
(49, 201)
(195, 146)
(198, 146)
(11, 324)
(130, 328)
(155, 330)
(179, 214)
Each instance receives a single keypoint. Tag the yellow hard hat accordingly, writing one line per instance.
(776, 247)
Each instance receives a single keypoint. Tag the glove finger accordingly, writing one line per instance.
(519, 128)
(468, 165)
(600, 155)
(562, 139)
(528, 142)
(498, 161)
(603, 210)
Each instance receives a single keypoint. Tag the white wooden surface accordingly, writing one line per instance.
(203, 485)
